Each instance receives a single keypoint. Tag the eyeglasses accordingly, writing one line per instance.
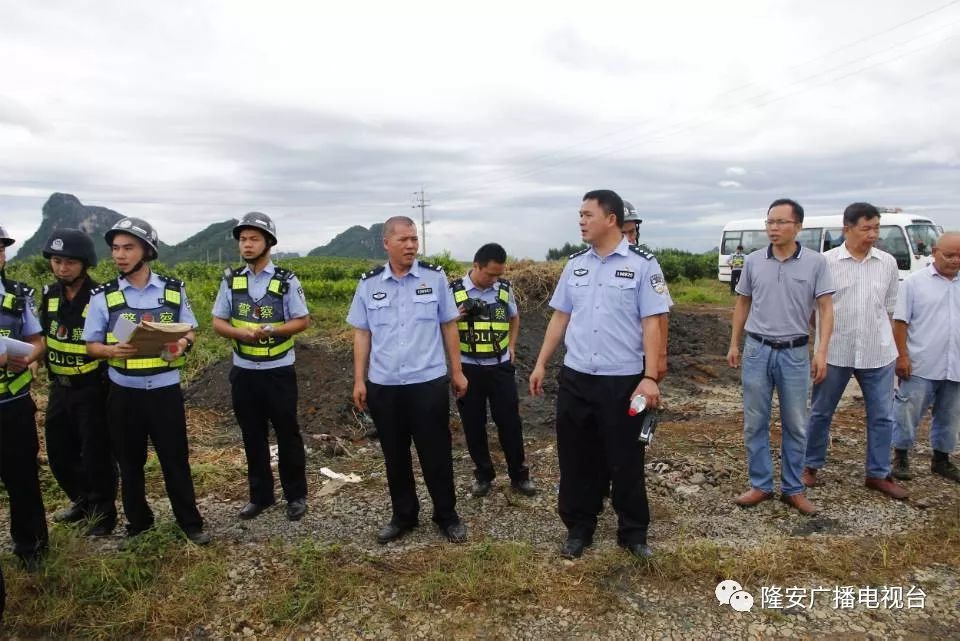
(780, 223)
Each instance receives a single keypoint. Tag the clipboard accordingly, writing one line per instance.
(149, 337)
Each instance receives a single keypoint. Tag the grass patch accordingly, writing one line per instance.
(160, 586)
(703, 291)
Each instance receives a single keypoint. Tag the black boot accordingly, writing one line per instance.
(940, 464)
(901, 466)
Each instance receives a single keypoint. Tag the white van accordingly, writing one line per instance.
(908, 238)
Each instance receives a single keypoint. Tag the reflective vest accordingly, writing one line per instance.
(487, 334)
(66, 349)
(736, 261)
(245, 312)
(12, 308)
(167, 312)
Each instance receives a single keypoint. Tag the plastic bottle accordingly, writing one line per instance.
(637, 405)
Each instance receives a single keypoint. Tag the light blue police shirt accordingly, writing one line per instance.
(31, 326)
(606, 299)
(404, 316)
(294, 306)
(488, 295)
(95, 329)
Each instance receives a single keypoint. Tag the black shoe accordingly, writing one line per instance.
(296, 509)
(455, 532)
(946, 469)
(480, 488)
(525, 487)
(639, 550)
(198, 537)
(101, 528)
(573, 548)
(252, 510)
(71, 514)
(391, 532)
(901, 466)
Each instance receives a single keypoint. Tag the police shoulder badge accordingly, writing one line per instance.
(581, 272)
(659, 285)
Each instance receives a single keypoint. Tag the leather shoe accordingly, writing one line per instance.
(391, 532)
(252, 510)
(480, 488)
(455, 532)
(296, 509)
(752, 497)
(800, 502)
(809, 477)
(525, 487)
(573, 548)
(70, 514)
(199, 537)
(888, 487)
(639, 550)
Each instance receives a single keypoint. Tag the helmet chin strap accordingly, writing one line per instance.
(133, 270)
(256, 259)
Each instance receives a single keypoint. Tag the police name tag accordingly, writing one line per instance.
(424, 290)
(379, 296)
(623, 273)
(581, 272)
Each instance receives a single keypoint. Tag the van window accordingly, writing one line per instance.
(922, 237)
(832, 238)
(810, 238)
(753, 240)
(730, 241)
(894, 242)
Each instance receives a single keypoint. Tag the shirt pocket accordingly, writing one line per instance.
(425, 307)
(621, 293)
(381, 312)
(580, 288)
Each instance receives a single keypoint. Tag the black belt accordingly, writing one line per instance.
(797, 342)
(78, 380)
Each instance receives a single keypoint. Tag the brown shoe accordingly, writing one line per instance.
(752, 497)
(809, 477)
(800, 502)
(888, 487)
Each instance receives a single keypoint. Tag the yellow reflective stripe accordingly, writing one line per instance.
(239, 323)
(115, 298)
(279, 348)
(69, 371)
(172, 296)
(53, 304)
(8, 301)
(18, 383)
(239, 282)
(274, 286)
(145, 363)
(459, 295)
(69, 348)
(111, 339)
(497, 326)
(485, 347)
(504, 295)
(86, 308)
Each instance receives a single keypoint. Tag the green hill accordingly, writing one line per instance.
(355, 242)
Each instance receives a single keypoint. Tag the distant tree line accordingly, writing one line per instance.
(675, 263)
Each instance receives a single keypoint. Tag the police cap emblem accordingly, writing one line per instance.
(56, 244)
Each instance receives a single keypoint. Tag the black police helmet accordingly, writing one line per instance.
(71, 243)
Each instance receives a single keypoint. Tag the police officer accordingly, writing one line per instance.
(631, 223)
(19, 445)
(261, 307)
(78, 441)
(488, 329)
(606, 307)
(404, 316)
(145, 398)
(735, 262)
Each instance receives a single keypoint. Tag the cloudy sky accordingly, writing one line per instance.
(188, 113)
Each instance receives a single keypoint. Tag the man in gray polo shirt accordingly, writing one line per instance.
(778, 291)
(927, 331)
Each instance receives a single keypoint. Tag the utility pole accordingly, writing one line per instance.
(421, 203)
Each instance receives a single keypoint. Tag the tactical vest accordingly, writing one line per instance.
(736, 261)
(247, 313)
(66, 349)
(484, 337)
(166, 312)
(11, 325)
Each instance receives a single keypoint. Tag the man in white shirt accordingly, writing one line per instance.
(927, 333)
(861, 346)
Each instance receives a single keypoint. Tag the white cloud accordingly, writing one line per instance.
(736, 171)
(729, 184)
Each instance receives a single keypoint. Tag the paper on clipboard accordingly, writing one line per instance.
(15, 348)
(147, 336)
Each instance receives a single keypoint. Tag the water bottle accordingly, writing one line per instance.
(637, 405)
(170, 351)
